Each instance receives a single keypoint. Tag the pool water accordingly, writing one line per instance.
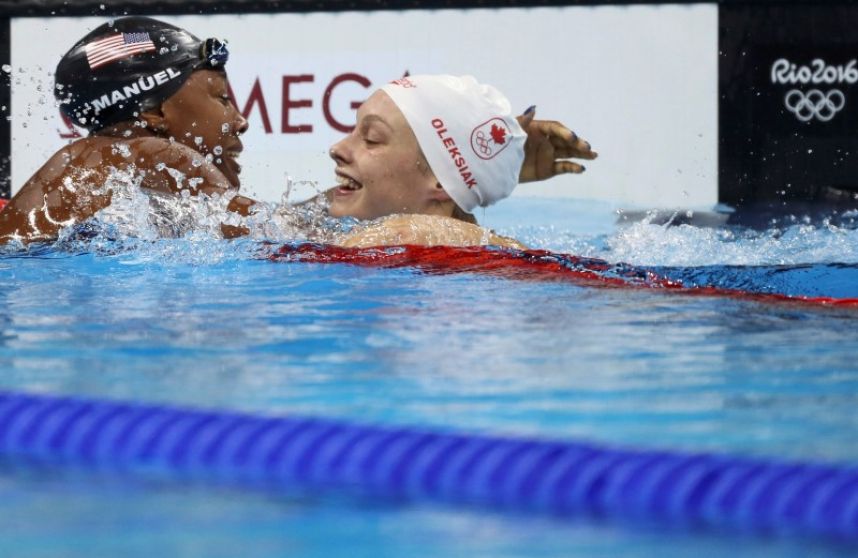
(212, 323)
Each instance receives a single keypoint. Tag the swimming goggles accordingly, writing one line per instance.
(214, 52)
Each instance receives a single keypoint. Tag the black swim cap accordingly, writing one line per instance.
(129, 65)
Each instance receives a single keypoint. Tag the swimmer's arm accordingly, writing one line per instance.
(171, 167)
(56, 196)
(425, 230)
(548, 147)
(194, 174)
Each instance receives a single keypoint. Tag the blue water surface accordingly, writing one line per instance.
(212, 323)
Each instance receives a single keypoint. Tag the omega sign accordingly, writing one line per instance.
(812, 96)
(288, 100)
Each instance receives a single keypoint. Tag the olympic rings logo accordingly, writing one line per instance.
(490, 138)
(481, 141)
(815, 104)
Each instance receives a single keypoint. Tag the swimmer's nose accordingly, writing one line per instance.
(241, 125)
(339, 152)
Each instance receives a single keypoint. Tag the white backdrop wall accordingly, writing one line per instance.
(639, 82)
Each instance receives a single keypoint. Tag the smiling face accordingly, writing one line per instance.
(202, 116)
(380, 169)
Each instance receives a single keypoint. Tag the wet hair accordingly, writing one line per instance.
(127, 66)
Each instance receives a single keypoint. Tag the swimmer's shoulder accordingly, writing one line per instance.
(87, 162)
(426, 230)
(64, 190)
(70, 160)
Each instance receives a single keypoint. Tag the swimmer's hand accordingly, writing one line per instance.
(549, 144)
(425, 230)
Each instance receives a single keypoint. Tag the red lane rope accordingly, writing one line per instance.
(539, 265)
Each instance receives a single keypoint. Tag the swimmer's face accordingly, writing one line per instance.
(202, 116)
(380, 169)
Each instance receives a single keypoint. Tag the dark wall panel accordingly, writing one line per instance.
(788, 112)
(94, 7)
(5, 104)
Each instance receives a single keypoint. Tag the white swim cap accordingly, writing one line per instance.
(467, 132)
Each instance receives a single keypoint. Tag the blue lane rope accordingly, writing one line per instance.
(560, 478)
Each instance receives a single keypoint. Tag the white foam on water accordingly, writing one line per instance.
(142, 221)
(187, 228)
(798, 241)
(683, 245)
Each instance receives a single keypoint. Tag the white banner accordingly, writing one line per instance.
(639, 82)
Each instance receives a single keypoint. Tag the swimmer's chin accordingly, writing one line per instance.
(231, 170)
(335, 211)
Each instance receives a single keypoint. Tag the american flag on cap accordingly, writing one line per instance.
(116, 47)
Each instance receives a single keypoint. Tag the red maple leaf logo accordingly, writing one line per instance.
(498, 134)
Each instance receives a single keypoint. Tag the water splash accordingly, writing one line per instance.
(140, 220)
(684, 245)
(646, 243)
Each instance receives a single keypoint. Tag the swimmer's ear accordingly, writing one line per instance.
(440, 194)
(155, 120)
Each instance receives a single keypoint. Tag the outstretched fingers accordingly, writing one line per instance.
(566, 142)
(548, 148)
(568, 167)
